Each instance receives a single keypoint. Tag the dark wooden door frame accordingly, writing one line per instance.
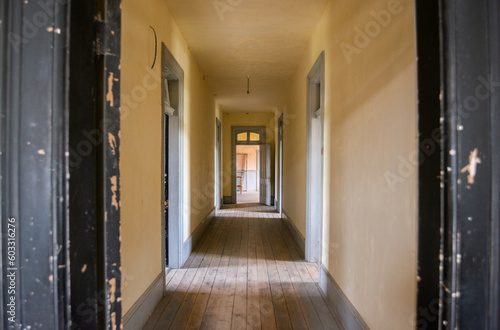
(34, 125)
(459, 179)
(59, 126)
(108, 49)
(430, 195)
(33, 166)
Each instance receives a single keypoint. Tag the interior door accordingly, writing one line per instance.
(265, 174)
(165, 183)
(218, 167)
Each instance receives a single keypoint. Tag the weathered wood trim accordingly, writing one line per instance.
(34, 163)
(108, 48)
(196, 236)
(430, 198)
(139, 313)
(297, 236)
(84, 138)
(349, 316)
(471, 153)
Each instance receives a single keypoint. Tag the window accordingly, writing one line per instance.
(249, 134)
(254, 137)
(242, 137)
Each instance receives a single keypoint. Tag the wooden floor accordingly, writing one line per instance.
(245, 274)
(246, 197)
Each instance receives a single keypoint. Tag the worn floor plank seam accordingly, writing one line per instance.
(246, 273)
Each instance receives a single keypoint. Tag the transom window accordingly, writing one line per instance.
(250, 136)
(254, 137)
(242, 137)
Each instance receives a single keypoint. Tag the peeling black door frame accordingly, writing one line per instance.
(60, 116)
(108, 48)
(429, 186)
(470, 77)
(33, 160)
(459, 221)
(94, 144)
(84, 140)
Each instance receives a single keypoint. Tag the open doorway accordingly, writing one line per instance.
(279, 204)
(250, 136)
(172, 167)
(247, 174)
(218, 162)
(314, 193)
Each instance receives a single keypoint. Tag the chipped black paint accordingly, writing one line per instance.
(34, 184)
(108, 101)
(84, 137)
(429, 192)
(471, 219)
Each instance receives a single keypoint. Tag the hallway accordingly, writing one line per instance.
(246, 272)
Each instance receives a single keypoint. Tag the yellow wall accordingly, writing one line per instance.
(244, 119)
(370, 224)
(141, 137)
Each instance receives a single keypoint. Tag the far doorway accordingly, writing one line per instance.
(245, 167)
(247, 174)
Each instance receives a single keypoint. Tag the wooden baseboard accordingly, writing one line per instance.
(227, 200)
(349, 316)
(297, 236)
(139, 313)
(195, 237)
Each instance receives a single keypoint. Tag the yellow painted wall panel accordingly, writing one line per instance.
(141, 136)
(370, 222)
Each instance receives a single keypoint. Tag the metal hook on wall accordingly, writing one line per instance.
(156, 47)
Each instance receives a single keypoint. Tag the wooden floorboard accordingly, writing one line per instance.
(246, 273)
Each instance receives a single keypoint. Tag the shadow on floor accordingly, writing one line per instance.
(246, 271)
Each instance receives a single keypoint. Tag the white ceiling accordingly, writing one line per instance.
(262, 39)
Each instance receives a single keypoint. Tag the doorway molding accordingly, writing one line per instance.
(459, 220)
(235, 130)
(172, 71)
(218, 162)
(314, 185)
(279, 162)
